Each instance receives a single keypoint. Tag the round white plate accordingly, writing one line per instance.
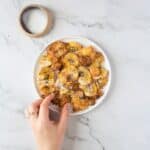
(85, 42)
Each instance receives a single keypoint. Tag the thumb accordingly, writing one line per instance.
(62, 125)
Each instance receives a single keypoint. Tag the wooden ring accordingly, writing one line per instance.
(44, 10)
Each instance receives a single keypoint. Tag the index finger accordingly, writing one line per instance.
(44, 110)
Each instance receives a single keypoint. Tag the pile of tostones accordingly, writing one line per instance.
(76, 74)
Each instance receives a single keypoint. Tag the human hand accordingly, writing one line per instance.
(48, 134)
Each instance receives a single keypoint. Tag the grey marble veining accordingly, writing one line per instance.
(122, 28)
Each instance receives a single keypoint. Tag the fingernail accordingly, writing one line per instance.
(52, 95)
(69, 108)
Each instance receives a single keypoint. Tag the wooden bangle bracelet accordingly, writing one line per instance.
(45, 11)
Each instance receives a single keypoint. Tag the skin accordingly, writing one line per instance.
(48, 134)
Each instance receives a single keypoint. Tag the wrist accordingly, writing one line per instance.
(52, 147)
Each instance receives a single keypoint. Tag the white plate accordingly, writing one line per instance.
(85, 42)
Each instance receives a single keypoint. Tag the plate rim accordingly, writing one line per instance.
(93, 43)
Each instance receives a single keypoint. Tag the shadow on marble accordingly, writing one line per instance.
(71, 134)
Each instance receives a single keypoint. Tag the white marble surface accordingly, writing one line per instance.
(122, 28)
